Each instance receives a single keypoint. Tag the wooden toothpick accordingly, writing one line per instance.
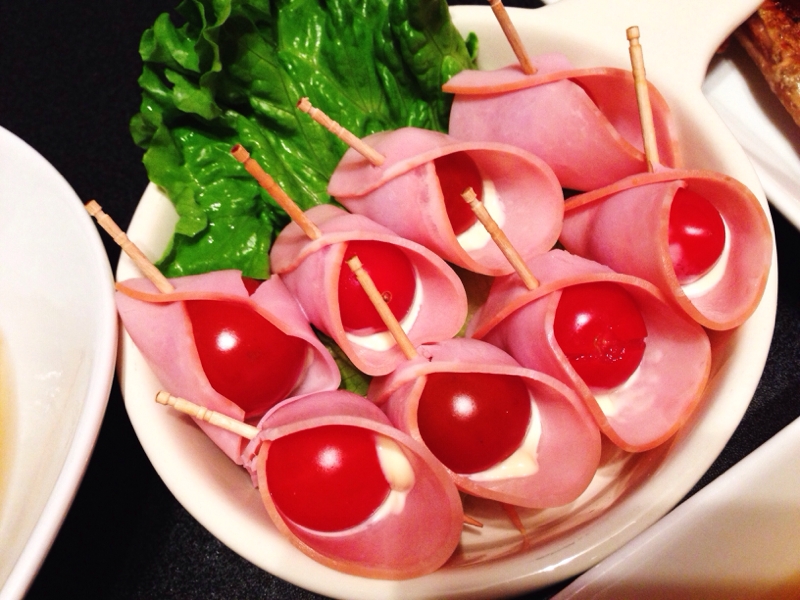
(643, 99)
(209, 416)
(147, 268)
(513, 37)
(392, 325)
(367, 151)
(472, 521)
(295, 213)
(386, 314)
(499, 237)
(513, 516)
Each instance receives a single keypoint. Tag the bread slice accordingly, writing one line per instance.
(771, 36)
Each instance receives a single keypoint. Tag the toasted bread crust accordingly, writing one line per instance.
(771, 36)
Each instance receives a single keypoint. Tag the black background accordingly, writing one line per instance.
(68, 74)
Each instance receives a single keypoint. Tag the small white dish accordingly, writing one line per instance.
(58, 343)
(630, 492)
(737, 538)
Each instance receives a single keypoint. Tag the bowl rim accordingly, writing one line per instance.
(700, 442)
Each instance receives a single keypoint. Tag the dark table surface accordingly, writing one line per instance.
(68, 74)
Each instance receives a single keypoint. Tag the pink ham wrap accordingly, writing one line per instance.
(402, 544)
(584, 123)
(626, 226)
(657, 399)
(568, 451)
(160, 327)
(404, 194)
(310, 269)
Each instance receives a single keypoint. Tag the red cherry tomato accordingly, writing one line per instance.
(327, 478)
(600, 329)
(246, 358)
(696, 235)
(457, 172)
(393, 275)
(473, 421)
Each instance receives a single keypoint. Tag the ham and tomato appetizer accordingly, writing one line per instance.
(701, 237)
(422, 290)
(351, 491)
(504, 432)
(639, 365)
(416, 193)
(584, 123)
(228, 350)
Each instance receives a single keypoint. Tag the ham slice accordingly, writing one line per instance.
(415, 538)
(626, 226)
(566, 454)
(584, 123)
(310, 269)
(160, 327)
(405, 195)
(661, 394)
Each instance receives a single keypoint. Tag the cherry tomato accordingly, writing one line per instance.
(246, 358)
(696, 235)
(393, 275)
(473, 421)
(457, 172)
(600, 329)
(327, 478)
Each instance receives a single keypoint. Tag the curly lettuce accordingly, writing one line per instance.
(233, 73)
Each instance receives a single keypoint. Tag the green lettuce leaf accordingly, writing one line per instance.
(233, 73)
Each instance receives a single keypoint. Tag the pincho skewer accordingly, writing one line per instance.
(423, 292)
(208, 337)
(345, 487)
(416, 192)
(700, 236)
(583, 122)
(500, 430)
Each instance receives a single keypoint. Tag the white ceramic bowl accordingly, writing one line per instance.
(630, 492)
(58, 342)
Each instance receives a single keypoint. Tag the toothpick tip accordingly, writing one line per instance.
(354, 263)
(349, 138)
(163, 397)
(239, 153)
(92, 207)
(633, 33)
(472, 521)
(469, 195)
